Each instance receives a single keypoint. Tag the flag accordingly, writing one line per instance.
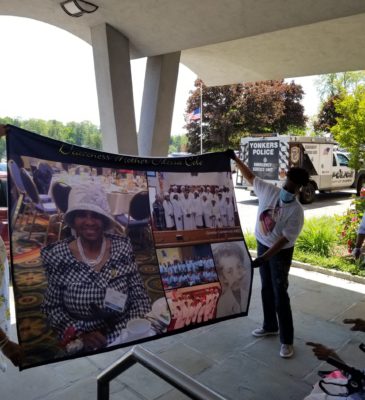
(195, 115)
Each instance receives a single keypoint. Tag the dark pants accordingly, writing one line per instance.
(274, 293)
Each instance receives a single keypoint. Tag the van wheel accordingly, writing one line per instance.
(360, 184)
(307, 194)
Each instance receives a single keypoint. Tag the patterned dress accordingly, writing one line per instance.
(4, 297)
(76, 293)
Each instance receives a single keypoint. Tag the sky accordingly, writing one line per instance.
(48, 73)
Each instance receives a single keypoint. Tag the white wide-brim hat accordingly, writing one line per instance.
(86, 197)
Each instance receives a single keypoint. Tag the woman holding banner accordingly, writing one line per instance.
(94, 287)
(279, 222)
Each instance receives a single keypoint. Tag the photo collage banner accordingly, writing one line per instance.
(110, 250)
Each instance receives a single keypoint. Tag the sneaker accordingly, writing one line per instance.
(259, 332)
(286, 350)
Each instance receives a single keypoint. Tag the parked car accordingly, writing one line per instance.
(180, 154)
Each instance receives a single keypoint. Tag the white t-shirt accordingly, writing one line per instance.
(275, 218)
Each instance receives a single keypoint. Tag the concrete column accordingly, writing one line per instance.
(158, 104)
(114, 88)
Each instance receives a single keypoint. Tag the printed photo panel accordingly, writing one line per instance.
(191, 306)
(44, 253)
(186, 266)
(233, 266)
(195, 207)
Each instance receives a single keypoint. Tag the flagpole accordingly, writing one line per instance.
(201, 117)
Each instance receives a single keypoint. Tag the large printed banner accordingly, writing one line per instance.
(109, 250)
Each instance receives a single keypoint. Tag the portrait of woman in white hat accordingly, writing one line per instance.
(94, 287)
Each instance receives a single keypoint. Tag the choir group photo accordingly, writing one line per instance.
(186, 266)
(192, 202)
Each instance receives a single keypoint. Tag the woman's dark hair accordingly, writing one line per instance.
(297, 175)
(73, 214)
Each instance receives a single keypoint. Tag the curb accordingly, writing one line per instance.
(325, 271)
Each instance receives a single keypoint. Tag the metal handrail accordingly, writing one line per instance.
(164, 370)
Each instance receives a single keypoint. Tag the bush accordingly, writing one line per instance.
(250, 240)
(318, 236)
(317, 245)
(348, 224)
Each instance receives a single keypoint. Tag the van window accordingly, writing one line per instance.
(343, 160)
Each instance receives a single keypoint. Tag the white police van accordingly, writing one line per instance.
(270, 158)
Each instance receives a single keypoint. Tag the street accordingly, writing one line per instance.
(324, 204)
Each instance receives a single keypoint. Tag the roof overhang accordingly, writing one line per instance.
(226, 41)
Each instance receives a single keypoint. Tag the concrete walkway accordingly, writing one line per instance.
(223, 356)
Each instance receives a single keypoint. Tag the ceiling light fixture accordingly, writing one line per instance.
(76, 8)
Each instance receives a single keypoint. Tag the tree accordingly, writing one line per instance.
(327, 116)
(350, 128)
(330, 85)
(293, 118)
(233, 111)
(178, 143)
(81, 133)
(220, 117)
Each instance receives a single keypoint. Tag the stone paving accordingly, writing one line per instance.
(224, 356)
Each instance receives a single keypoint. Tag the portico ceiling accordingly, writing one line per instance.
(226, 41)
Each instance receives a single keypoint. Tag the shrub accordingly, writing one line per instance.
(250, 240)
(316, 245)
(349, 222)
(318, 236)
